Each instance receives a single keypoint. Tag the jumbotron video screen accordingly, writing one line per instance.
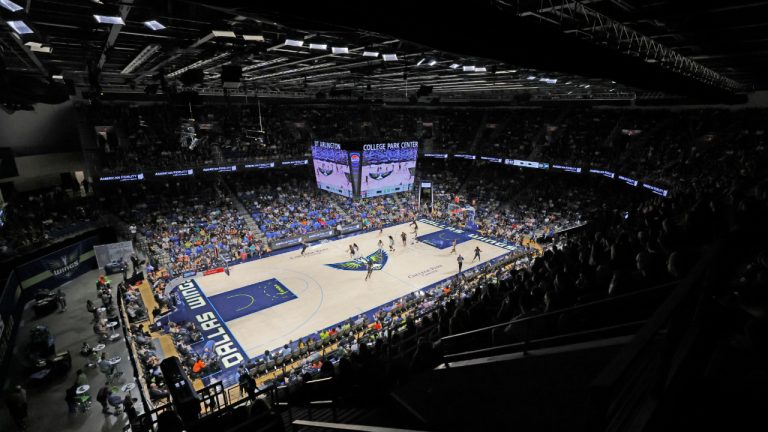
(388, 168)
(332, 169)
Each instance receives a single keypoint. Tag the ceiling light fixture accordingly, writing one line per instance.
(254, 38)
(468, 68)
(11, 6)
(340, 50)
(480, 69)
(432, 62)
(153, 25)
(224, 33)
(389, 57)
(370, 53)
(455, 66)
(294, 42)
(421, 61)
(318, 46)
(113, 20)
(20, 27)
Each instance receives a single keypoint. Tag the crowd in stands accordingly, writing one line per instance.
(35, 219)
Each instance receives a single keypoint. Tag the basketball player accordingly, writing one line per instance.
(391, 244)
(477, 254)
(460, 260)
(351, 252)
(357, 248)
(381, 245)
(369, 266)
(453, 248)
(304, 245)
(415, 227)
(404, 237)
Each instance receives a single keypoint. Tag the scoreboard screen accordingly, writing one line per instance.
(388, 168)
(331, 165)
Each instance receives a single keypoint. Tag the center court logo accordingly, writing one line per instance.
(380, 175)
(379, 259)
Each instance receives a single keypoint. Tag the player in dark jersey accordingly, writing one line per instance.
(477, 254)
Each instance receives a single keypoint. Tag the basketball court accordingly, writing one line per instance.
(265, 303)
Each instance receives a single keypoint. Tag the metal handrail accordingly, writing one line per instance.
(559, 312)
(348, 427)
(527, 344)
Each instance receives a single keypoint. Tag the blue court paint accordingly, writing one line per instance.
(250, 299)
(444, 238)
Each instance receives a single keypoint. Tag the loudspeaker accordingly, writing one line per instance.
(230, 76)
(192, 77)
(185, 398)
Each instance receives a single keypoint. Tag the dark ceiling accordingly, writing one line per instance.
(599, 49)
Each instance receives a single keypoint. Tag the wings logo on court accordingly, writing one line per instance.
(380, 175)
(379, 259)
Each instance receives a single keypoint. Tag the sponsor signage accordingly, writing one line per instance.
(262, 165)
(123, 177)
(656, 190)
(293, 241)
(328, 145)
(526, 164)
(491, 159)
(603, 173)
(231, 168)
(628, 181)
(317, 235)
(177, 173)
(391, 146)
(344, 229)
(213, 271)
(426, 185)
(567, 168)
(436, 155)
(295, 162)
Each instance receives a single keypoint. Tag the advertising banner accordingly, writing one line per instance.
(58, 267)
